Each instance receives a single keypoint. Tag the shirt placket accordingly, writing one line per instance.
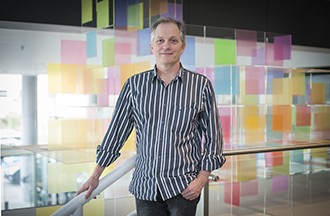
(162, 132)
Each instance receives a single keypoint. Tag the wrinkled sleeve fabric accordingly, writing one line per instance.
(119, 129)
(213, 146)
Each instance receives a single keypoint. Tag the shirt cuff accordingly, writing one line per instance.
(105, 158)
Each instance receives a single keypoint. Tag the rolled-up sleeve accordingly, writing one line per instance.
(213, 146)
(119, 129)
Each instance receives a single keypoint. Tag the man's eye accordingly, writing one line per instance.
(174, 41)
(159, 41)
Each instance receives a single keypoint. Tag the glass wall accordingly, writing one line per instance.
(275, 183)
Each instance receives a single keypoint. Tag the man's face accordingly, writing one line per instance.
(166, 45)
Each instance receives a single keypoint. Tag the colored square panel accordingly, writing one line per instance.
(102, 19)
(225, 51)
(232, 193)
(173, 10)
(158, 7)
(254, 123)
(251, 117)
(322, 78)
(135, 16)
(227, 120)
(128, 70)
(97, 75)
(143, 42)
(82, 132)
(235, 80)
(258, 56)
(320, 153)
(73, 52)
(80, 79)
(204, 50)
(270, 133)
(302, 132)
(283, 169)
(108, 52)
(207, 71)
(222, 80)
(88, 80)
(123, 48)
(54, 78)
(282, 47)
(274, 159)
(86, 11)
(86, 77)
(68, 78)
(303, 115)
(278, 86)
(103, 97)
(255, 80)
(297, 156)
(318, 93)
(280, 183)
(123, 59)
(282, 118)
(298, 84)
(322, 119)
(282, 91)
(121, 14)
(226, 80)
(91, 43)
(55, 137)
(270, 56)
(246, 168)
(273, 73)
(188, 56)
(255, 136)
(114, 80)
(69, 132)
(178, 11)
(250, 99)
(246, 42)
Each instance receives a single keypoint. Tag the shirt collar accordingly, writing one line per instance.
(180, 74)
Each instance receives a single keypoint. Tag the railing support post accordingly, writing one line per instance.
(206, 199)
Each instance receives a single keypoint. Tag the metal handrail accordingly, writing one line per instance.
(278, 148)
(74, 207)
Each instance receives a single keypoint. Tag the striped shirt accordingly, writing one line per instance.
(170, 121)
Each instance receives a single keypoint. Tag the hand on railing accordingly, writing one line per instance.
(75, 205)
(89, 186)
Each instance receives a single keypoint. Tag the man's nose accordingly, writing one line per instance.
(166, 45)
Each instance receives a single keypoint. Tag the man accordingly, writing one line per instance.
(172, 109)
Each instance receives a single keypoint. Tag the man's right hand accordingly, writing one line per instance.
(92, 182)
(89, 186)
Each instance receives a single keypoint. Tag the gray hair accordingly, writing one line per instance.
(180, 25)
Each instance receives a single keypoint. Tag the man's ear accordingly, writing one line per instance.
(151, 48)
(183, 48)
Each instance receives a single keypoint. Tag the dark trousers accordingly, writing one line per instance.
(176, 206)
